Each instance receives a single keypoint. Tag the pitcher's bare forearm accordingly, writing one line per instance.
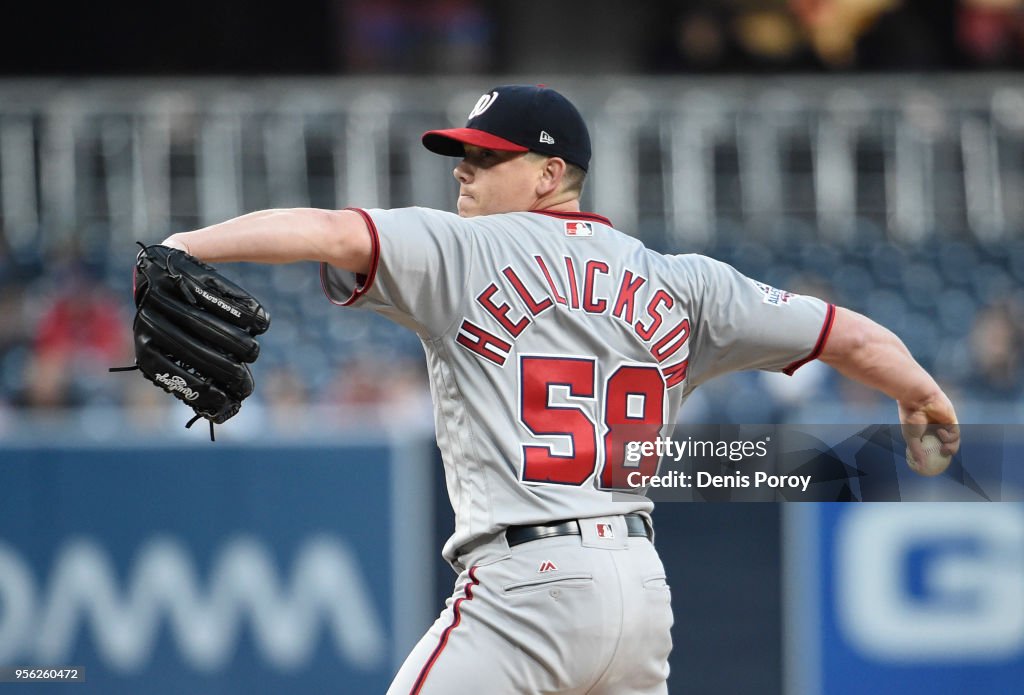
(862, 350)
(337, 237)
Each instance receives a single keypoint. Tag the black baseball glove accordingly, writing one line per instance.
(194, 332)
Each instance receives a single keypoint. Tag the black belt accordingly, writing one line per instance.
(516, 535)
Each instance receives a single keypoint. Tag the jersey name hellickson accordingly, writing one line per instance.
(662, 333)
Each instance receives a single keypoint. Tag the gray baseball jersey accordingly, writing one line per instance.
(542, 331)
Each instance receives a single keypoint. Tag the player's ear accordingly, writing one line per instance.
(551, 175)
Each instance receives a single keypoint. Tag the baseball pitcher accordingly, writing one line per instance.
(545, 328)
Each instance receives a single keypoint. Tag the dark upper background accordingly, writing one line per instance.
(348, 37)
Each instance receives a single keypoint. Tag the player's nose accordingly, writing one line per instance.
(462, 172)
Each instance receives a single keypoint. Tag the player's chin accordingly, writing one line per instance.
(467, 207)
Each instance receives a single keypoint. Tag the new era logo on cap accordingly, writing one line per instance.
(545, 138)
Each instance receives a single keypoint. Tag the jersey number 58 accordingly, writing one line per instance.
(630, 404)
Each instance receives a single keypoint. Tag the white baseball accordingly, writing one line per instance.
(935, 462)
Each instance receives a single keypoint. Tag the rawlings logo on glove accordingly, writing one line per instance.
(176, 384)
(195, 332)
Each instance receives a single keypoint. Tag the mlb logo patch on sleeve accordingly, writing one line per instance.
(578, 228)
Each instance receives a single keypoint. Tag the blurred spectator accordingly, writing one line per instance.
(990, 33)
(147, 409)
(995, 348)
(745, 36)
(380, 390)
(284, 397)
(15, 342)
(875, 35)
(717, 37)
(80, 333)
(773, 41)
(360, 383)
(695, 39)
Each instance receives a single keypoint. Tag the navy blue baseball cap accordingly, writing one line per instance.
(519, 118)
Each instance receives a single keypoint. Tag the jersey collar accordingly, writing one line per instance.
(589, 216)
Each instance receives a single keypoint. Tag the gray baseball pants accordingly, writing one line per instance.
(585, 614)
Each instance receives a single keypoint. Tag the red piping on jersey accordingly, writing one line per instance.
(363, 282)
(826, 329)
(593, 217)
(457, 618)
